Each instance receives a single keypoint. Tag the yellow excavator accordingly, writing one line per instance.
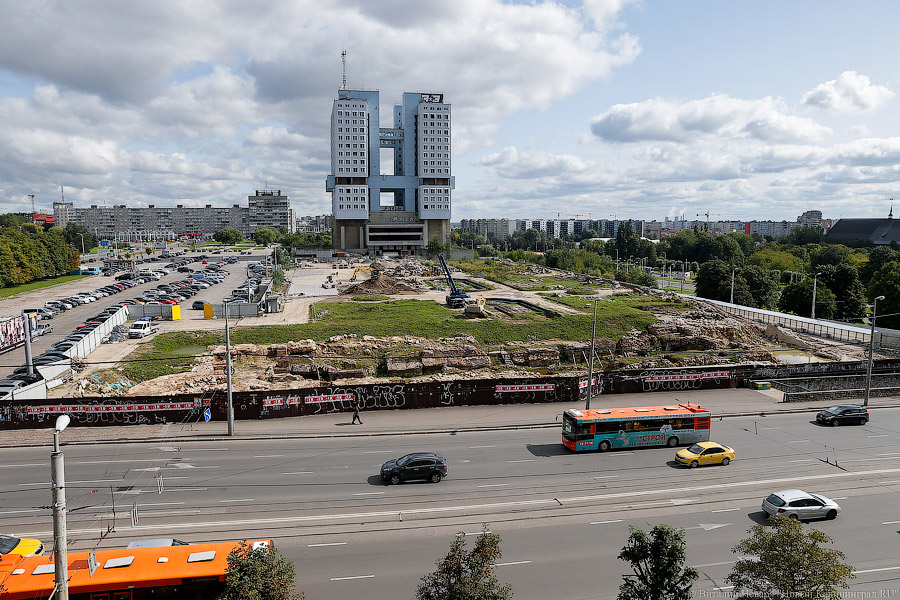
(476, 310)
(365, 268)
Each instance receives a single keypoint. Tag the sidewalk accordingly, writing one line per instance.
(722, 403)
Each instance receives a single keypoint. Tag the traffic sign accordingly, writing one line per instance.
(207, 415)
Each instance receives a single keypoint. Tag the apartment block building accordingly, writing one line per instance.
(398, 201)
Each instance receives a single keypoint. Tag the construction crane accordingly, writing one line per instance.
(456, 298)
(707, 213)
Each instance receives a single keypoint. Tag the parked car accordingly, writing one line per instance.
(198, 305)
(426, 466)
(142, 328)
(44, 328)
(797, 504)
(843, 414)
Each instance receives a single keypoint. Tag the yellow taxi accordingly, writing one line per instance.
(705, 453)
(10, 544)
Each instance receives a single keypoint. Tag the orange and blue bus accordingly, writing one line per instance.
(183, 572)
(637, 427)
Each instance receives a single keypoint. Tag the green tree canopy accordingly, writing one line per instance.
(658, 564)
(71, 234)
(713, 281)
(435, 246)
(775, 260)
(260, 574)
(805, 235)
(463, 575)
(829, 255)
(843, 281)
(886, 282)
(878, 257)
(796, 298)
(761, 284)
(228, 236)
(265, 236)
(787, 561)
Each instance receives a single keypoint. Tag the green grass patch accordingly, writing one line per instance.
(39, 284)
(369, 298)
(428, 319)
(168, 353)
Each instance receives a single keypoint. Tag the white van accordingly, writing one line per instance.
(142, 328)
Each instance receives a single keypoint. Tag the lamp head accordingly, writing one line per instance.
(61, 423)
(880, 298)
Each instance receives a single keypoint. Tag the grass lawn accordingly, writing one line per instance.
(39, 284)
(173, 352)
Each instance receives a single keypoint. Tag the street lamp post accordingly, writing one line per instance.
(812, 313)
(29, 362)
(871, 351)
(229, 406)
(683, 274)
(81, 235)
(58, 487)
(733, 271)
(590, 381)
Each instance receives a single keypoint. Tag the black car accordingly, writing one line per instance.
(198, 305)
(418, 465)
(838, 414)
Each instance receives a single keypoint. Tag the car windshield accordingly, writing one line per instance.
(696, 449)
(7, 543)
(835, 410)
(775, 500)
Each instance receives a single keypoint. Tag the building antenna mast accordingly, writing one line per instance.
(32, 204)
(62, 194)
(343, 69)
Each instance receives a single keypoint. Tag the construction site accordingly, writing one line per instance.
(414, 320)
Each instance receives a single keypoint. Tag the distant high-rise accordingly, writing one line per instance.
(399, 205)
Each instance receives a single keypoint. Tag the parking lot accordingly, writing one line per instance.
(66, 322)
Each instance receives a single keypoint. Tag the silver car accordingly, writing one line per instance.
(800, 505)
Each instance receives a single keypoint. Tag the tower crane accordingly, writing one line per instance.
(708, 214)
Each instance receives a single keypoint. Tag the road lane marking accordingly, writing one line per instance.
(379, 452)
(322, 545)
(367, 493)
(878, 435)
(16, 512)
(104, 462)
(604, 477)
(878, 570)
(299, 473)
(889, 454)
(509, 564)
(474, 447)
(25, 465)
(269, 456)
(489, 485)
(523, 460)
(84, 481)
(718, 564)
(159, 503)
(232, 523)
(477, 533)
(238, 500)
(797, 441)
(605, 522)
(840, 498)
(724, 510)
(803, 460)
(353, 577)
(344, 467)
(890, 522)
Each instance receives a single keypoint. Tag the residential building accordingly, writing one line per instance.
(62, 213)
(268, 208)
(399, 201)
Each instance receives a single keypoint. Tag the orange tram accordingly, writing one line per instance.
(184, 572)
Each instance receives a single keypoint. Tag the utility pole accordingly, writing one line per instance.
(58, 487)
(732, 286)
(871, 351)
(812, 313)
(29, 363)
(229, 406)
(590, 381)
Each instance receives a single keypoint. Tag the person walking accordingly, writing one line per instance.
(356, 414)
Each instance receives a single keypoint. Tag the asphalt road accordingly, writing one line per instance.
(562, 517)
(66, 322)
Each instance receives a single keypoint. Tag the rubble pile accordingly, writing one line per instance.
(381, 283)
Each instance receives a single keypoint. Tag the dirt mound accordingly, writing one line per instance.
(380, 283)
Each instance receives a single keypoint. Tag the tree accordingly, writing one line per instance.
(71, 234)
(843, 281)
(829, 255)
(265, 236)
(713, 281)
(775, 260)
(260, 574)
(228, 236)
(806, 235)
(434, 246)
(796, 298)
(463, 575)
(658, 564)
(878, 257)
(886, 282)
(762, 285)
(787, 561)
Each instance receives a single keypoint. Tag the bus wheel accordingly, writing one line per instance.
(672, 442)
(604, 446)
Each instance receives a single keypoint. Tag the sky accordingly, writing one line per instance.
(567, 109)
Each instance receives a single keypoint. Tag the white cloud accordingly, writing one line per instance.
(720, 115)
(851, 92)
